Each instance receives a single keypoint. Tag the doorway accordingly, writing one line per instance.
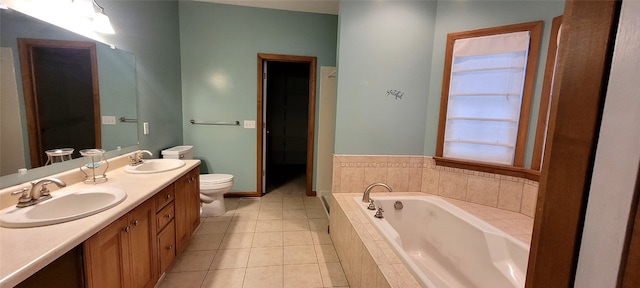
(62, 102)
(286, 121)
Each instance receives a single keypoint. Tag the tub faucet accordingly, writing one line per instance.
(31, 196)
(367, 191)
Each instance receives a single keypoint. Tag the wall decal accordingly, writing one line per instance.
(395, 93)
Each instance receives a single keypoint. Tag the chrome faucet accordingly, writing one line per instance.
(136, 158)
(367, 191)
(32, 196)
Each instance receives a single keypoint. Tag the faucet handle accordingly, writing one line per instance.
(372, 206)
(24, 197)
(379, 213)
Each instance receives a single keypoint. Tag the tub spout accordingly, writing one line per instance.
(367, 191)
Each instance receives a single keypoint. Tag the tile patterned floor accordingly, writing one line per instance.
(279, 240)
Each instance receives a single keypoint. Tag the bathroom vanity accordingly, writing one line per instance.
(129, 245)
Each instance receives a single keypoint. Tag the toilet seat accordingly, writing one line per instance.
(215, 181)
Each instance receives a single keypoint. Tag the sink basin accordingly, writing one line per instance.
(154, 166)
(63, 207)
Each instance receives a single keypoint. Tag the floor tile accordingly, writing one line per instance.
(321, 237)
(300, 255)
(183, 280)
(302, 275)
(264, 277)
(326, 253)
(270, 215)
(268, 239)
(295, 224)
(265, 256)
(201, 242)
(213, 227)
(293, 238)
(193, 261)
(236, 240)
(294, 214)
(242, 227)
(332, 275)
(231, 258)
(227, 278)
(269, 225)
(245, 216)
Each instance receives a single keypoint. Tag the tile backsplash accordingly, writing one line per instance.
(353, 173)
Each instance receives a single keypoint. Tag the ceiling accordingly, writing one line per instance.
(314, 6)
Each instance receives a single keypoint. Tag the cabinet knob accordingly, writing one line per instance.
(170, 247)
(169, 216)
(135, 222)
(168, 196)
(127, 229)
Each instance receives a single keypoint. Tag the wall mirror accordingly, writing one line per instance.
(117, 93)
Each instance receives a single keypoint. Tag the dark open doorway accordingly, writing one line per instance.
(286, 121)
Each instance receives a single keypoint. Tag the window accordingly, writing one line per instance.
(487, 86)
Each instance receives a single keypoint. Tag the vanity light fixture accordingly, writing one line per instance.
(100, 21)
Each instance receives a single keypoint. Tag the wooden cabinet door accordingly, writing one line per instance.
(187, 205)
(142, 239)
(106, 257)
(181, 205)
(194, 199)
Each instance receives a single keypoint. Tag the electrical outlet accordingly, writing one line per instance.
(250, 124)
(108, 120)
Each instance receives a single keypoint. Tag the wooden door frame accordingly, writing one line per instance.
(584, 58)
(25, 50)
(310, 116)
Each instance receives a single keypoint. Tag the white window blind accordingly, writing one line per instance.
(485, 95)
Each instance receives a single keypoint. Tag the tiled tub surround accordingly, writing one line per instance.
(421, 174)
(367, 258)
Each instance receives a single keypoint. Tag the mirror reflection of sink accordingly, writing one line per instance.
(154, 166)
(63, 208)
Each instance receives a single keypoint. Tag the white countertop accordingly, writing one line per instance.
(24, 251)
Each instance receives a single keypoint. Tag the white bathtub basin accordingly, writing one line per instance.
(63, 207)
(155, 166)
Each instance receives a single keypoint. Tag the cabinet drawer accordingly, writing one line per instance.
(165, 216)
(165, 196)
(167, 246)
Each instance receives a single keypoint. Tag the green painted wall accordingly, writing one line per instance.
(383, 46)
(219, 46)
(400, 45)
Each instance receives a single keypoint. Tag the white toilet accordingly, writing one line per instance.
(212, 186)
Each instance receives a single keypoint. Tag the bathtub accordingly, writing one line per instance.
(445, 246)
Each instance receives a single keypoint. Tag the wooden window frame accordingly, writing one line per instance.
(535, 30)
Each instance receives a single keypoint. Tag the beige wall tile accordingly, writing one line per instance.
(482, 190)
(351, 179)
(430, 181)
(374, 175)
(510, 195)
(452, 185)
(398, 179)
(529, 200)
(415, 179)
(369, 269)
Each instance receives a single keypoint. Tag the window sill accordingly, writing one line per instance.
(489, 168)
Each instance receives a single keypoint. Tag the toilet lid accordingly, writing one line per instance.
(208, 179)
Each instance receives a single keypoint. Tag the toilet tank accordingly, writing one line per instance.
(178, 152)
